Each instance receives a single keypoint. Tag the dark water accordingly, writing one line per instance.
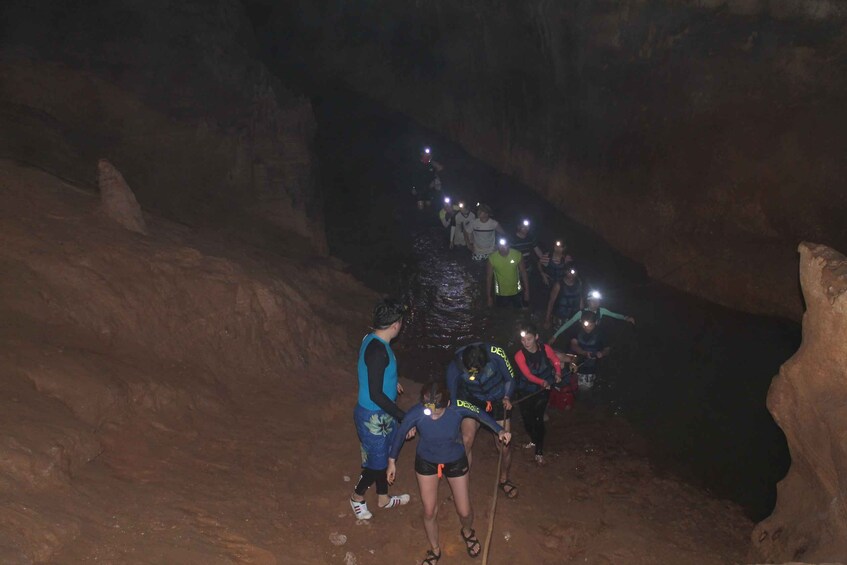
(691, 376)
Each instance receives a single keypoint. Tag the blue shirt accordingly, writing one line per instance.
(440, 441)
(495, 381)
(389, 372)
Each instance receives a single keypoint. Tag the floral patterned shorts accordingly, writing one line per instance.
(376, 430)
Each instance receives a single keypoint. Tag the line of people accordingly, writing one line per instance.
(480, 387)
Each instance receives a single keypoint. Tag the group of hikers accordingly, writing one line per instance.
(480, 385)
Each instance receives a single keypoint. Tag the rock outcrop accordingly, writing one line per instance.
(808, 399)
(174, 96)
(117, 199)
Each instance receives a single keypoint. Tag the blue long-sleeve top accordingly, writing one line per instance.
(600, 313)
(494, 382)
(440, 440)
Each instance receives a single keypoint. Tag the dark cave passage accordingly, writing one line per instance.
(691, 376)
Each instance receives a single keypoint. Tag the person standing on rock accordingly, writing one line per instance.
(440, 453)
(376, 414)
(482, 375)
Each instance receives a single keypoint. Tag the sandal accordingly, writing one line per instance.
(471, 542)
(431, 557)
(509, 488)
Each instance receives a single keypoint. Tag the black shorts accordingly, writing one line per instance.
(457, 468)
(498, 411)
(515, 301)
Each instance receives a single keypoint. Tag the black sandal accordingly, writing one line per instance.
(471, 543)
(509, 488)
(431, 558)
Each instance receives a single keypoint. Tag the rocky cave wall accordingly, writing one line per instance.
(808, 400)
(173, 94)
(701, 137)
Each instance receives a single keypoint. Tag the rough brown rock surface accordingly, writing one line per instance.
(117, 199)
(808, 399)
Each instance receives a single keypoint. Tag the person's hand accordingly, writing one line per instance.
(546, 385)
(391, 471)
(400, 389)
(546, 279)
(411, 433)
(558, 378)
(631, 320)
(504, 436)
(451, 245)
(599, 355)
(507, 404)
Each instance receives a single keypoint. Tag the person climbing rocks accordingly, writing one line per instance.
(505, 271)
(539, 370)
(376, 413)
(482, 233)
(590, 346)
(481, 374)
(440, 452)
(565, 299)
(593, 299)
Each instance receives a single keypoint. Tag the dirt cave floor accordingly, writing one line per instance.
(178, 398)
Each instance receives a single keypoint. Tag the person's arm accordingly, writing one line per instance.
(566, 325)
(408, 423)
(489, 280)
(524, 280)
(554, 359)
(498, 228)
(445, 219)
(469, 235)
(376, 360)
(548, 319)
(520, 361)
(575, 347)
(616, 316)
(538, 252)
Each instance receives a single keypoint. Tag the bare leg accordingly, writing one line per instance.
(469, 429)
(462, 500)
(428, 485)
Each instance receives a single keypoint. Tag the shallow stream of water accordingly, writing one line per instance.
(691, 376)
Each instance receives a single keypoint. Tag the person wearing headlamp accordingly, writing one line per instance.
(483, 233)
(462, 219)
(427, 183)
(539, 370)
(565, 299)
(590, 345)
(440, 452)
(376, 413)
(554, 264)
(505, 271)
(593, 299)
(526, 242)
(481, 374)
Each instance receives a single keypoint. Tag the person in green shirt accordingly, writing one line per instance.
(593, 298)
(506, 271)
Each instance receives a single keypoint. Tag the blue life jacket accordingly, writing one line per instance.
(389, 381)
(567, 303)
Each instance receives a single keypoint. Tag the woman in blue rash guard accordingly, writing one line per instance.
(441, 452)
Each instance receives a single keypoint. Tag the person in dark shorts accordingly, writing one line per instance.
(376, 413)
(482, 375)
(440, 452)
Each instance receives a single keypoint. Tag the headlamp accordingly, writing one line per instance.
(477, 204)
(558, 244)
(447, 200)
(461, 204)
(572, 271)
(472, 374)
(429, 407)
(427, 150)
(526, 223)
(595, 294)
(523, 333)
(586, 323)
(502, 241)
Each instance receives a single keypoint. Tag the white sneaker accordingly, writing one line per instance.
(397, 500)
(360, 509)
(529, 445)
